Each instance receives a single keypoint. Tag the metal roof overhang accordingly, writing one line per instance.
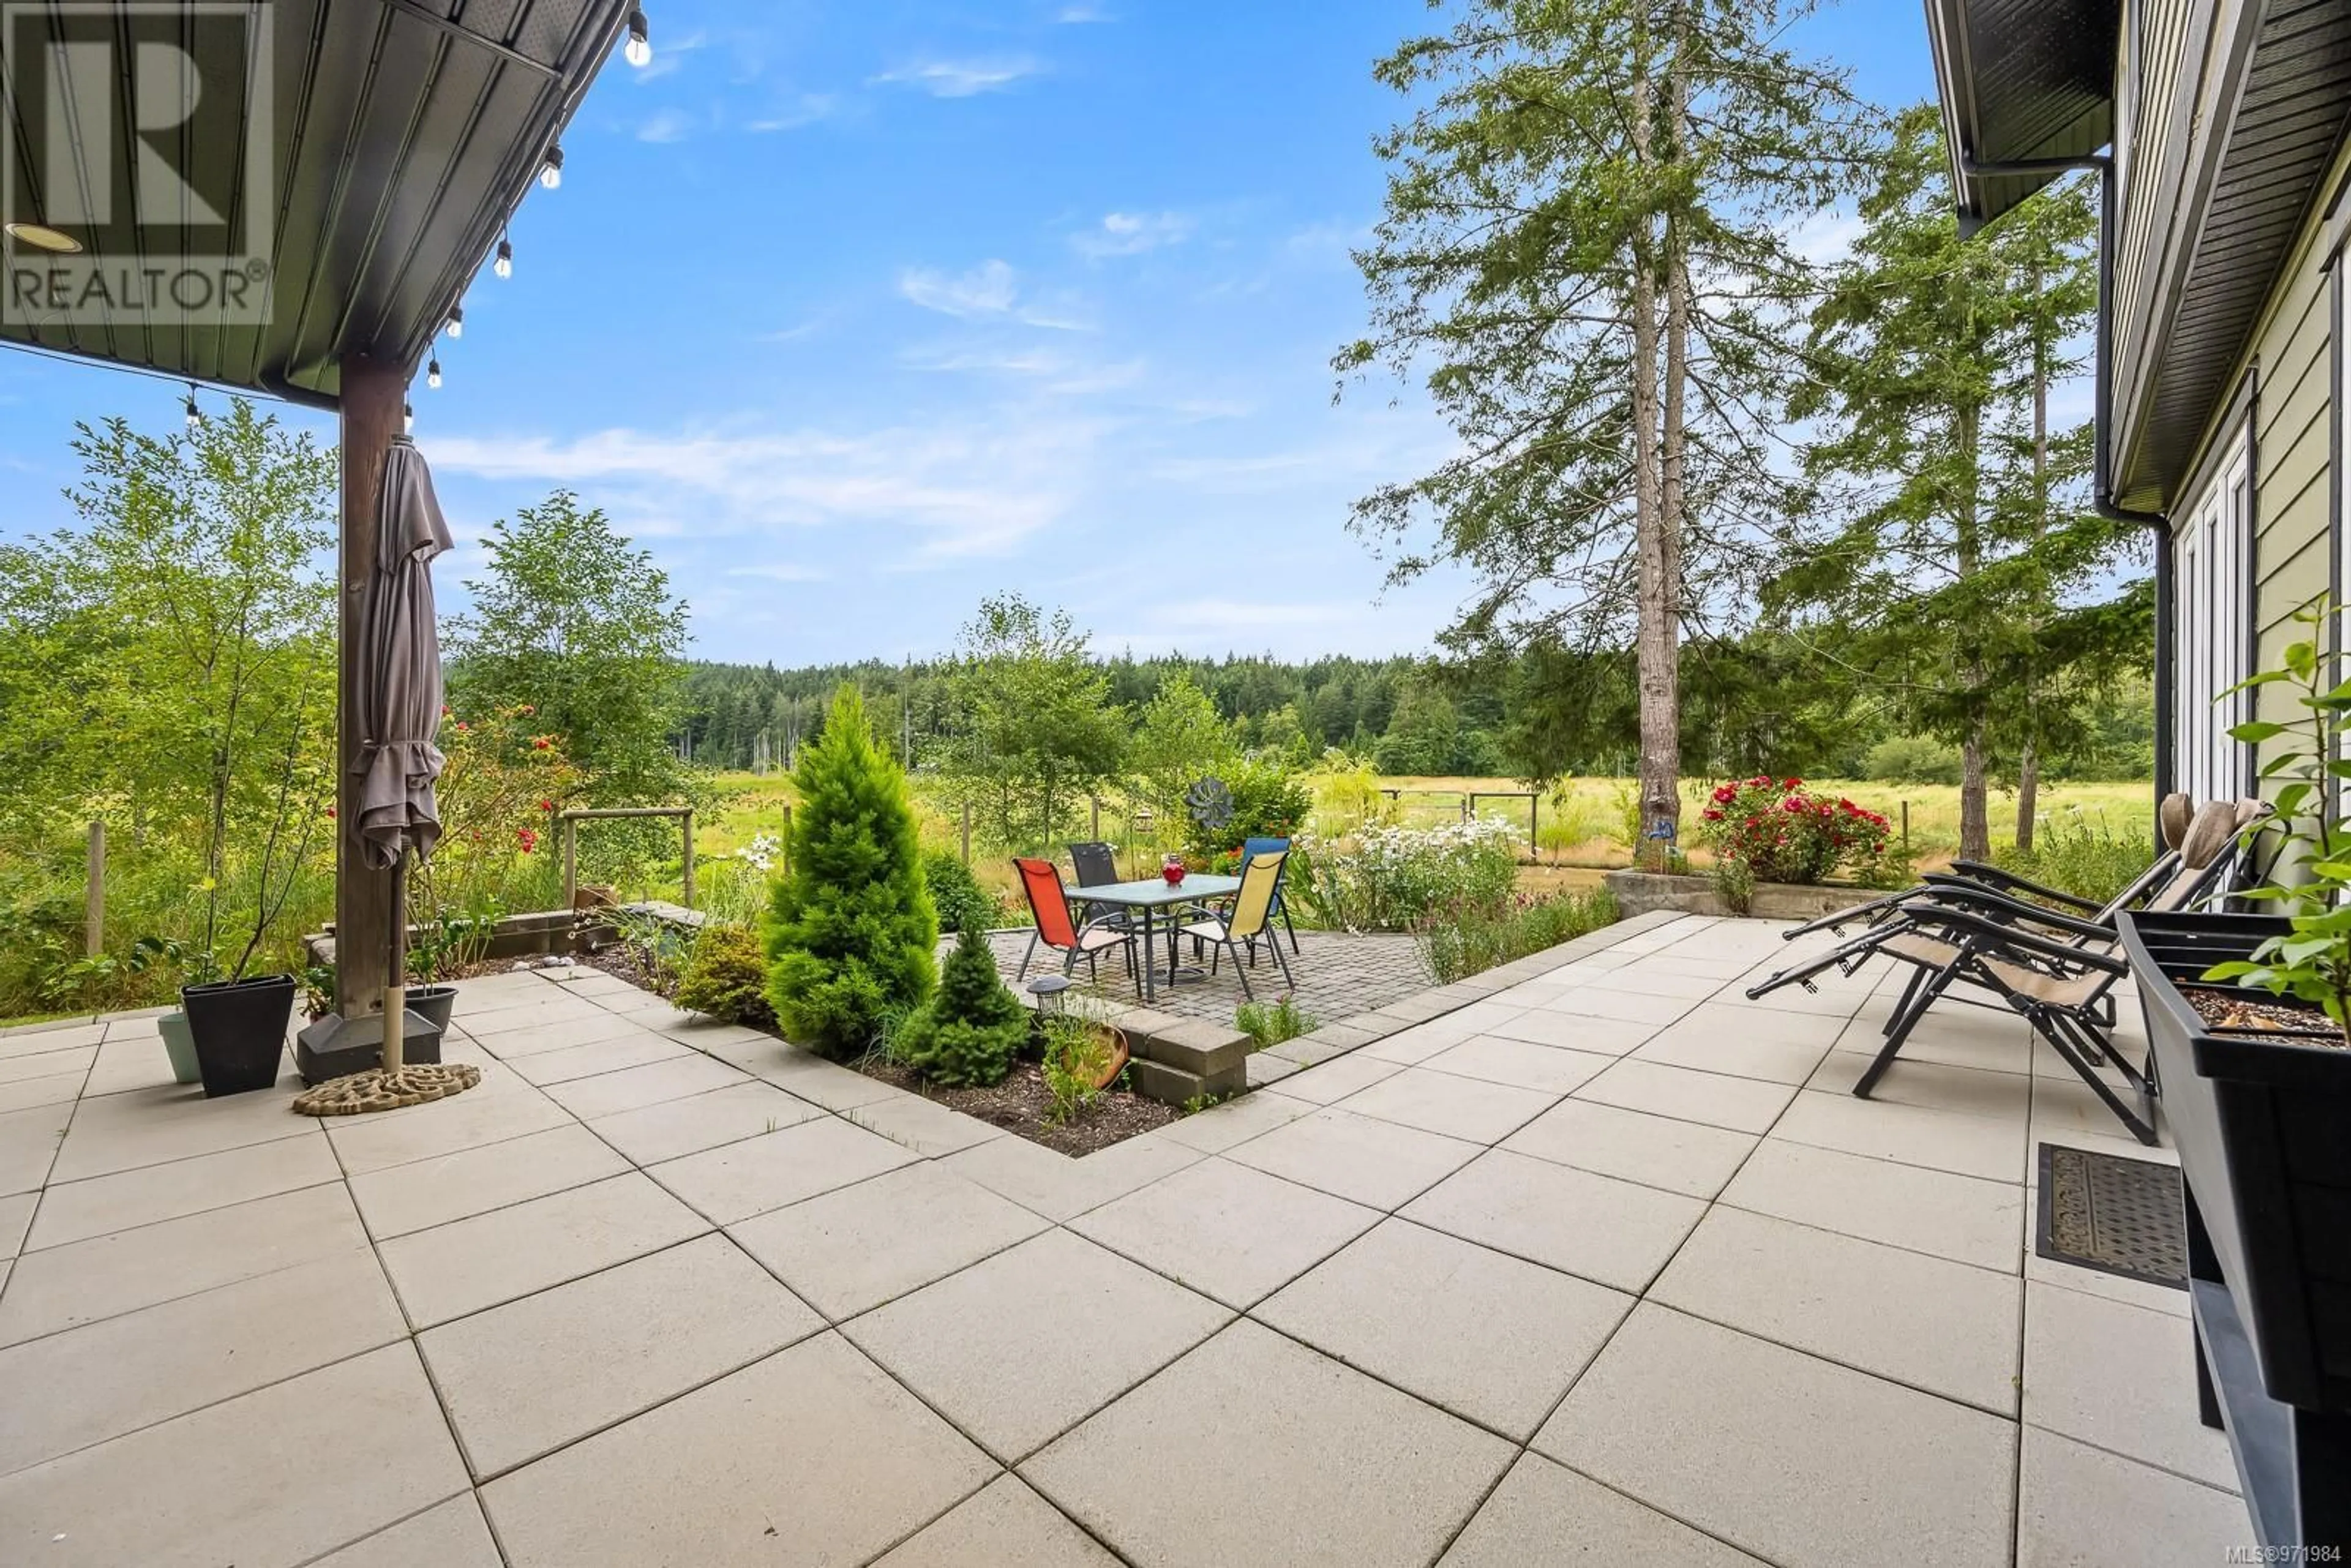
(396, 135)
(2021, 81)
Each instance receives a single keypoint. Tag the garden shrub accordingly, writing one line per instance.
(1776, 830)
(1079, 1048)
(2076, 855)
(1912, 759)
(1467, 939)
(967, 1034)
(1270, 1023)
(1268, 802)
(954, 892)
(1388, 879)
(725, 977)
(851, 931)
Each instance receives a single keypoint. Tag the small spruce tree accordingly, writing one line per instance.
(966, 1036)
(851, 931)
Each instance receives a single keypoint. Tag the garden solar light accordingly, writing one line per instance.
(1048, 989)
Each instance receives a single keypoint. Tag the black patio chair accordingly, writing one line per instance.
(1096, 866)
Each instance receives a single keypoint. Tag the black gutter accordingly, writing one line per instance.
(2102, 484)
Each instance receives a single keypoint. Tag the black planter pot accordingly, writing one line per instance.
(240, 1030)
(2263, 1127)
(434, 1003)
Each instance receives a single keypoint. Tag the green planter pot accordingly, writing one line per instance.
(180, 1045)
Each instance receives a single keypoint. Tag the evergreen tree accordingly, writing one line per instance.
(851, 932)
(966, 1036)
(1586, 243)
(1960, 569)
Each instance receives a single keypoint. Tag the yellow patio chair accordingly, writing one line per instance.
(1249, 918)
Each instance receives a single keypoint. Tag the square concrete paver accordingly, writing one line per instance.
(1466, 1108)
(1784, 1455)
(546, 1068)
(75, 1211)
(1379, 1164)
(1545, 1510)
(1220, 1127)
(16, 1218)
(1613, 1233)
(1931, 1086)
(857, 1247)
(460, 1267)
(277, 1476)
(672, 1128)
(1227, 1230)
(923, 1127)
(1060, 1188)
(67, 1391)
(430, 1192)
(1254, 1449)
(1489, 1337)
(810, 1456)
(996, 1347)
(1963, 1217)
(736, 1181)
(656, 1327)
(83, 1281)
(607, 1093)
(28, 1145)
(156, 1126)
(2080, 1506)
(452, 1535)
(501, 1107)
(2120, 1378)
(1007, 1524)
(1687, 1157)
(1577, 1031)
(1945, 1327)
(1334, 1080)
(1520, 1063)
(1983, 1146)
(1718, 1099)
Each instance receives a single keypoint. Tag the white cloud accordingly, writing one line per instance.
(781, 571)
(808, 109)
(992, 291)
(1131, 233)
(1073, 16)
(665, 126)
(960, 489)
(963, 79)
(988, 289)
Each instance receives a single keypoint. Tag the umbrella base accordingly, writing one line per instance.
(336, 1047)
(376, 1090)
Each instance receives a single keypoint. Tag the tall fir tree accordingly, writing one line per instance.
(1587, 242)
(1966, 578)
(851, 931)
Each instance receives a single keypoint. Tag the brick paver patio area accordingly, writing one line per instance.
(1338, 975)
(1605, 1266)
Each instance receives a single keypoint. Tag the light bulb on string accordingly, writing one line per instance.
(504, 265)
(456, 321)
(550, 173)
(639, 51)
(407, 419)
(195, 415)
(433, 374)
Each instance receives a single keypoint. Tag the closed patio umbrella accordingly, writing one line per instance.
(398, 714)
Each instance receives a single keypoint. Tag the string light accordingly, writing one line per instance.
(456, 321)
(550, 173)
(407, 419)
(504, 265)
(433, 374)
(639, 51)
(195, 415)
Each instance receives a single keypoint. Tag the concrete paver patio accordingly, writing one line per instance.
(1593, 1258)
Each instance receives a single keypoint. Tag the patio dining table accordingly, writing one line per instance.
(1151, 898)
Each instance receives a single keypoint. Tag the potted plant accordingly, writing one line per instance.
(2246, 1015)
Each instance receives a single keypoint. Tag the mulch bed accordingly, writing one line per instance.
(1020, 1104)
(2239, 1012)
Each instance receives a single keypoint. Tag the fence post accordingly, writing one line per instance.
(570, 861)
(689, 857)
(1534, 824)
(967, 833)
(93, 917)
(1096, 834)
(788, 840)
(1905, 827)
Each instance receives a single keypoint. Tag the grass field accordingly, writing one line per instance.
(1581, 825)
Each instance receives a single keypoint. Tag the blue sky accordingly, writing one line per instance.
(853, 314)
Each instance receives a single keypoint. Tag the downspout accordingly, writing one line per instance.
(2102, 483)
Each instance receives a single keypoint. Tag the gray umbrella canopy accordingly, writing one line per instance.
(399, 699)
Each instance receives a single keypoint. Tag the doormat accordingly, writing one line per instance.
(2113, 1214)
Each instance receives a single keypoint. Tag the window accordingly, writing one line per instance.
(2212, 574)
